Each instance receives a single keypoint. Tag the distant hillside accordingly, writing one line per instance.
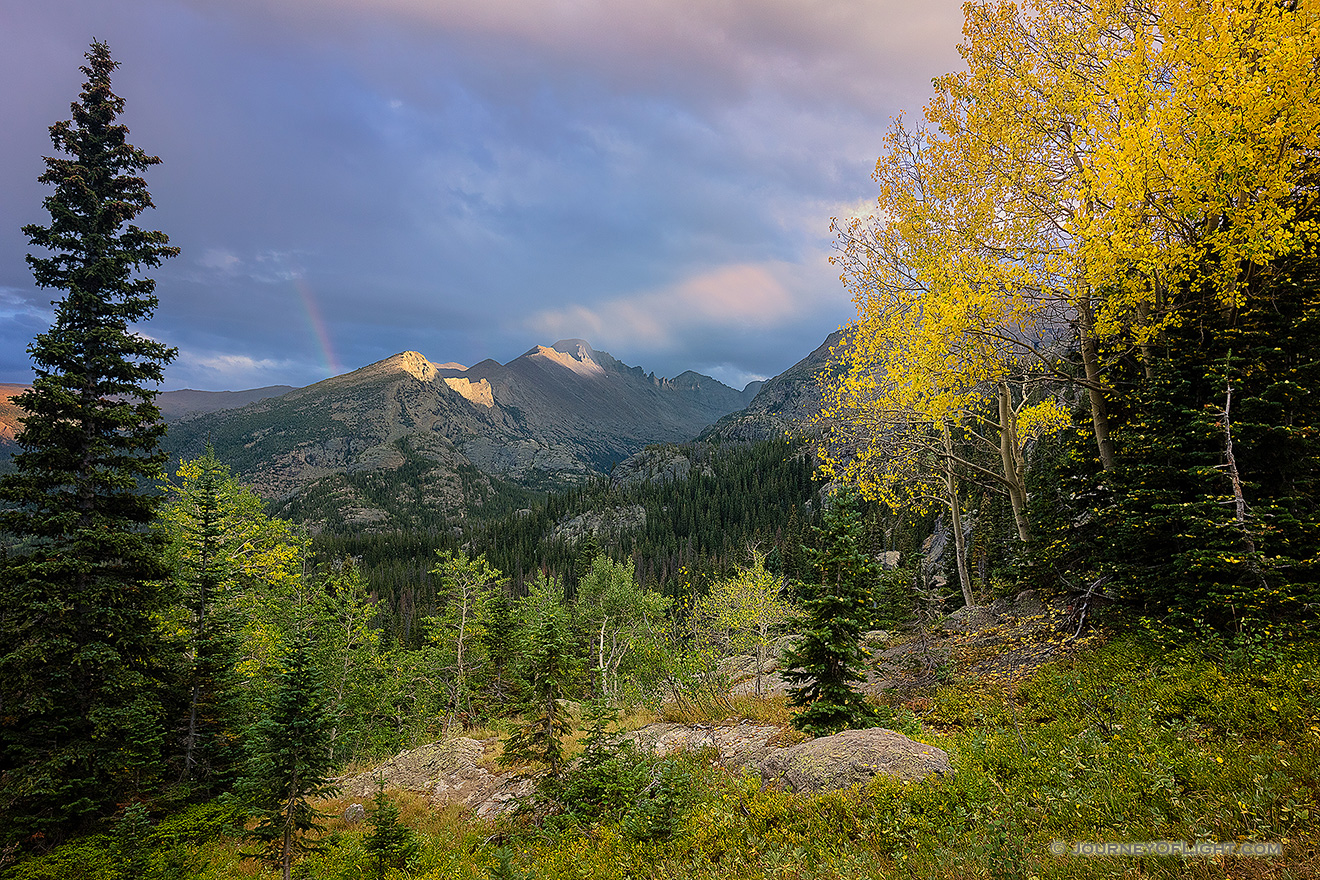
(175, 405)
(674, 509)
(788, 402)
(9, 416)
(365, 448)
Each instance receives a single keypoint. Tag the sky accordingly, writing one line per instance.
(348, 179)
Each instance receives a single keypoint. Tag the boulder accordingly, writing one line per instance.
(971, 618)
(735, 745)
(771, 683)
(740, 671)
(853, 756)
(740, 666)
(822, 764)
(450, 772)
(1027, 604)
(417, 769)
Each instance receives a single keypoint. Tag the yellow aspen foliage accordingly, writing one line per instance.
(262, 558)
(745, 613)
(1095, 166)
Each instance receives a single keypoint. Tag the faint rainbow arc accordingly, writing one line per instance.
(317, 324)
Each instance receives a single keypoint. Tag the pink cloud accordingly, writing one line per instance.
(743, 295)
(856, 51)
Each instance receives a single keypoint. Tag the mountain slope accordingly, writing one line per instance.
(9, 424)
(569, 395)
(174, 405)
(554, 415)
(786, 403)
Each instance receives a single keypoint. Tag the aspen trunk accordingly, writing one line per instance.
(955, 518)
(1099, 410)
(1014, 465)
(600, 661)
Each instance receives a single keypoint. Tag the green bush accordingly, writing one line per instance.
(199, 823)
(87, 858)
(604, 788)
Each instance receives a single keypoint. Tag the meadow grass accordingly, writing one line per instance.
(1132, 740)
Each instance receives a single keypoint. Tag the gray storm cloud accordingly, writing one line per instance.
(455, 178)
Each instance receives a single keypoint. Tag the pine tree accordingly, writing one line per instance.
(389, 845)
(827, 659)
(1215, 517)
(547, 670)
(289, 763)
(79, 648)
(131, 844)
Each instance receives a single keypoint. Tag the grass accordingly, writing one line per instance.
(1128, 741)
(770, 709)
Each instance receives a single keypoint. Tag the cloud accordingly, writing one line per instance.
(220, 260)
(221, 371)
(263, 267)
(448, 175)
(17, 304)
(731, 374)
(747, 295)
(860, 52)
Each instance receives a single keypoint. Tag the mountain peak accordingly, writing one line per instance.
(578, 348)
(411, 362)
(573, 354)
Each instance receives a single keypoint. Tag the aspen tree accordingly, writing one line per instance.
(1094, 163)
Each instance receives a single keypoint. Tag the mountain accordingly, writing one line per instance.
(9, 416)
(397, 442)
(788, 402)
(174, 405)
(407, 443)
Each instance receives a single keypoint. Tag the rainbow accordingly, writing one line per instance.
(317, 324)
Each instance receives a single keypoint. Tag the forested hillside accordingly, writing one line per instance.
(677, 513)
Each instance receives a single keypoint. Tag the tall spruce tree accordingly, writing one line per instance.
(827, 659)
(79, 711)
(290, 762)
(1215, 517)
(547, 669)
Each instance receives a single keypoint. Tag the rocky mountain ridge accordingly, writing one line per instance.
(405, 434)
(439, 433)
(786, 403)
